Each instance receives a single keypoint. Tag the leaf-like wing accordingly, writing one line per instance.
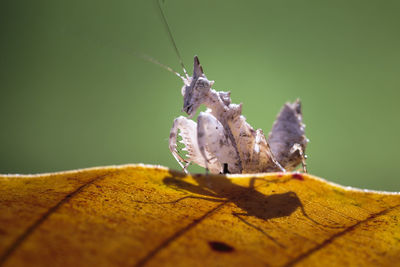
(288, 133)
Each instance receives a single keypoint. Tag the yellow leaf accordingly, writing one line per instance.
(145, 215)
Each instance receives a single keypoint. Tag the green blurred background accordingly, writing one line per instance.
(74, 95)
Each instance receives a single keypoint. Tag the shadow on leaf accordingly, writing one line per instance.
(218, 188)
(253, 204)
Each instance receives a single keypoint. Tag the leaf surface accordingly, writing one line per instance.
(136, 215)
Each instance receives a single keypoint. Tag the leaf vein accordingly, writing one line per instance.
(337, 235)
(176, 235)
(28, 231)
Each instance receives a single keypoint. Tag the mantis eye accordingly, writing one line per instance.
(203, 83)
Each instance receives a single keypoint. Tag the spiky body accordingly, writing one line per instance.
(222, 140)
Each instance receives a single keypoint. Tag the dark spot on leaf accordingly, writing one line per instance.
(220, 246)
(298, 176)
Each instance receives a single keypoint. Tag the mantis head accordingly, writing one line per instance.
(195, 90)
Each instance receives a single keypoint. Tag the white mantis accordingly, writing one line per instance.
(222, 141)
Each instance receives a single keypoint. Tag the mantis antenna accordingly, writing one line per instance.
(155, 61)
(171, 38)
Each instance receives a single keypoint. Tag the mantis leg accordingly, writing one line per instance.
(187, 129)
(298, 148)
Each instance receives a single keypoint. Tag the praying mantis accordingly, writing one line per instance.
(221, 140)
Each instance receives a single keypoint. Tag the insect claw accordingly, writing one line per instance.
(280, 167)
(297, 147)
(185, 167)
(304, 167)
